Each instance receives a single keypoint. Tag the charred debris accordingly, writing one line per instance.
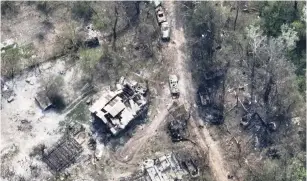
(179, 165)
(177, 127)
(210, 100)
(65, 152)
(261, 128)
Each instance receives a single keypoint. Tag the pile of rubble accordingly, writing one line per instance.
(169, 167)
(177, 127)
(92, 40)
(7, 91)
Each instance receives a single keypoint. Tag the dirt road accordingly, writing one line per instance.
(187, 97)
(127, 153)
(188, 93)
(131, 148)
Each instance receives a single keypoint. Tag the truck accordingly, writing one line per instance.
(173, 82)
(160, 15)
(165, 31)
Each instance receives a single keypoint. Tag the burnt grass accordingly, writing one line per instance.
(208, 77)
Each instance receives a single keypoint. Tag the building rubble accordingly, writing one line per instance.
(62, 154)
(169, 167)
(178, 124)
(118, 108)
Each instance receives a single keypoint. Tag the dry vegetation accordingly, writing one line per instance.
(50, 53)
(257, 92)
(250, 65)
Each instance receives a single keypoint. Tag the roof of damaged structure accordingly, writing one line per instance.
(43, 100)
(117, 108)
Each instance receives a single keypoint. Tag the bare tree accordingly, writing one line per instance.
(256, 41)
(237, 13)
(115, 26)
(271, 74)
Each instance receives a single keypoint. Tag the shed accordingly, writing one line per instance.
(42, 100)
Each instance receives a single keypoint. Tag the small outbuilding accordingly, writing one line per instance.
(42, 100)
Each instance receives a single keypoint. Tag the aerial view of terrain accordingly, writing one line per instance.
(153, 91)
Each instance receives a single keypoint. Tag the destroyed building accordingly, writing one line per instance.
(166, 167)
(169, 167)
(116, 109)
(62, 154)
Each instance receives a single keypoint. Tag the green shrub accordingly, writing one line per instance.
(10, 61)
(80, 113)
(12, 56)
(100, 23)
(89, 58)
(275, 14)
(301, 81)
(68, 41)
(280, 170)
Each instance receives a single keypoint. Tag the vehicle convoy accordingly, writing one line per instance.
(162, 21)
(173, 82)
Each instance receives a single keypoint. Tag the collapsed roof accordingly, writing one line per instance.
(118, 108)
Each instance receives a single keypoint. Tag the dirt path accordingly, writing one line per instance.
(131, 148)
(188, 93)
(127, 153)
(187, 97)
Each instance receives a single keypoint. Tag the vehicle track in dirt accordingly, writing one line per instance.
(131, 148)
(188, 93)
(180, 61)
